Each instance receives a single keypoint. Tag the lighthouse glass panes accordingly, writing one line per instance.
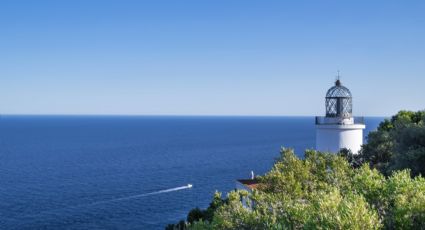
(339, 102)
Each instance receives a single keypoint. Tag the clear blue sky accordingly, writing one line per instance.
(209, 57)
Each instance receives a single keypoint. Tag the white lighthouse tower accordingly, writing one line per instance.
(339, 129)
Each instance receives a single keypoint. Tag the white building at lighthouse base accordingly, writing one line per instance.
(334, 134)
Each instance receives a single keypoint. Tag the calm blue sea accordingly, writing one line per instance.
(124, 172)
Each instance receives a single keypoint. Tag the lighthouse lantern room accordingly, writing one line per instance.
(339, 129)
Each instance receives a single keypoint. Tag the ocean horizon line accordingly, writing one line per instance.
(171, 115)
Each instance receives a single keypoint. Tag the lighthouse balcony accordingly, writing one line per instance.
(321, 120)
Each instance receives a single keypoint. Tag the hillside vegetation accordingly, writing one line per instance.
(381, 188)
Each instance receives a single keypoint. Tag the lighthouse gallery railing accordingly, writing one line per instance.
(320, 120)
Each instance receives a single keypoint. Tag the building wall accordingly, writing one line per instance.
(240, 186)
(332, 138)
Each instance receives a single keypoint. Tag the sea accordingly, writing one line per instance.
(132, 172)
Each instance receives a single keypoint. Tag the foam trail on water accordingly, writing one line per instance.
(142, 195)
(118, 199)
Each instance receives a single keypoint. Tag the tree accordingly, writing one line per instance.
(381, 188)
(199, 216)
(398, 143)
(322, 191)
(355, 160)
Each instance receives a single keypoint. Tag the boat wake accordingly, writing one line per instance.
(140, 195)
(145, 194)
(118, 199)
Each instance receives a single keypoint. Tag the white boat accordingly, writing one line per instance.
(189, 185)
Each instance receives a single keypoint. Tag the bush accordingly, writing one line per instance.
(321, 191)
(398, 143)
(381, 188)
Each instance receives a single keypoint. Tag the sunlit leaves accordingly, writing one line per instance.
(322, 191)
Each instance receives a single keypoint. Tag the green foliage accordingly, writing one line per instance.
(198, 218)
(410, 150)
(179, 226)
(332, 210)
(371, 185)
(196, 214)
(298, 178)
(406, 197)
(398, 143)
(328, 191)
(201, 225)
(321, 191)
(355, 160)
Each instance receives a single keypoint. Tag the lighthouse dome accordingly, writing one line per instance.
(338, 90)
(339, 101)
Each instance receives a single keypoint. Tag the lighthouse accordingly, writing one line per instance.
(339, 129)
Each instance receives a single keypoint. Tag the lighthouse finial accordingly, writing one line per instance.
(338, 81)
